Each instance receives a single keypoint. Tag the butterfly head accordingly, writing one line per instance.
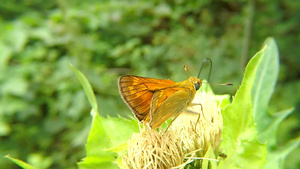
(196, 82)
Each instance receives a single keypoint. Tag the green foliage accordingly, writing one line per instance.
(210, 155)
(277, 158)
(239, 135)
(87, 88)
(262, 90)
(20, 163)
(104, 133)
(240, 141)
(246, 144)
(268, 123)
(43, 106)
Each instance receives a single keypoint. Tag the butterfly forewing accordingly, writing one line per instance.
(137, 93)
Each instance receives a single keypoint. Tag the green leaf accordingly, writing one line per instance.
(264, 85)
(239, 135)
(87, 88)
(275, 159)
(118, 148)
(20, 162)
(5, 55)
(119, 130)
(267, 123)
(106, 133)
(268, 134)
(96, 143)
(209, 159)
(223, 100)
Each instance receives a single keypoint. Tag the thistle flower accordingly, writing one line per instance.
(201, 125)
(188, 136)
(151, 149)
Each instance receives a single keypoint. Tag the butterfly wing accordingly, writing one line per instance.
(169, 107)
(137, 93)
(160, 96)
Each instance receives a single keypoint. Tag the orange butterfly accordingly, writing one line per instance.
(153, 101)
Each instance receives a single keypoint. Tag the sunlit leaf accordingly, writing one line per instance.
(97, 142)
(263, 87)
(239, 135)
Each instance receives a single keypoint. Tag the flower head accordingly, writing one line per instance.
(189, 135)
(200, 125)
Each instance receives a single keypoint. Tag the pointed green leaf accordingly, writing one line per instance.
(87, 88)
(20, 162)
(106, 133)
(264, 85)
(239, 135)
(96, 143)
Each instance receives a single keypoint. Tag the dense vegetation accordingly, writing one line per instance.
(44, 114)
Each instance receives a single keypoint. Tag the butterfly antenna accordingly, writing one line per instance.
(185, 69)
(204, 61)
(222, 84)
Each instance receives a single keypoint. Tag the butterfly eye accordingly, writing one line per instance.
(197, 86)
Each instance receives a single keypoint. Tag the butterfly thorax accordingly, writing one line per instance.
(191, 83)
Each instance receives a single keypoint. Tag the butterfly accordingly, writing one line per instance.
(153, 101)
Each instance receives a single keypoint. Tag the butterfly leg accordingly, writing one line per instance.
(195, 104)
(191, 111)
(195, 125)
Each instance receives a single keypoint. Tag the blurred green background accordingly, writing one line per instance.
(44, 113)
